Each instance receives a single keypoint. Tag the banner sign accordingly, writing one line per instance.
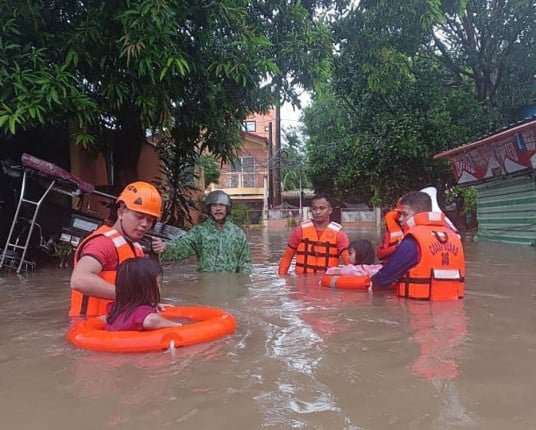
(506, 154)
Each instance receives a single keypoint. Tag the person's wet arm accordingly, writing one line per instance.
(343, 243)
(286, 260)
(85, 279)
(290, 251)
(155, 321)
(404, 258)
(181, 247)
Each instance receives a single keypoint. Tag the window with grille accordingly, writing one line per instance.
(242, 173)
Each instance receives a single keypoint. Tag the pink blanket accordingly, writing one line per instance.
(351, 270)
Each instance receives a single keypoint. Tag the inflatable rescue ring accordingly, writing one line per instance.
(349, 282)
(208, 324)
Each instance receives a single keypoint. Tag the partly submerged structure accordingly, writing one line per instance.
(502, 167)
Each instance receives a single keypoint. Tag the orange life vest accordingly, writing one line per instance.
(82, 304)
(440, 272)
(392, 236)
(317, 253)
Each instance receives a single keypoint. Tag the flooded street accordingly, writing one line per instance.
(303, 356)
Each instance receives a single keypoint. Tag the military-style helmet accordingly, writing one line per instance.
(217, 197)
(142, 197)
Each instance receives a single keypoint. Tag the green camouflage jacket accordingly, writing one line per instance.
(217, 250)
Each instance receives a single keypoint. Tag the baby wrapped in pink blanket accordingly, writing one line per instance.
(355, 270)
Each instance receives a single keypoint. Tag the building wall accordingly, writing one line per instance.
(246, 183)
(91, 167)
(262, 122)
(149, 164)
(506, 210)
(88, 165)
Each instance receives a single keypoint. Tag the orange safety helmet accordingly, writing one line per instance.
(142, 197)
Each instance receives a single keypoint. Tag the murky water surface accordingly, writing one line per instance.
(303, 356)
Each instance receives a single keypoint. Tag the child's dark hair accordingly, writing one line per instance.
(364, 251)
(136, 284)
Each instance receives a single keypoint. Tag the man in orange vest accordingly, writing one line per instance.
(429, 262)
(317, 243)
(99, 254)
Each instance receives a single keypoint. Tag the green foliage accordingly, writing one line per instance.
(63, 251)
(466, 197)
(188, 70)
(176, 184)
(492, 44)
(211, 169)
(400, 94)
(293, 161)
(38, 83)
(239, 215)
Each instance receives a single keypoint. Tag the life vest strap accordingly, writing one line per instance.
(314, 254)
(311, 246)
(415, 280)
(84, 304)
(308, 266)
(318, 254)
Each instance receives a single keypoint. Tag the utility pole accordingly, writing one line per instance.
(270, 166)
(277, 156)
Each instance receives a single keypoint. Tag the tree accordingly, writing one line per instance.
(210, 169)
(189, 70)
(293, 161)
(491, 43)
(395, 97)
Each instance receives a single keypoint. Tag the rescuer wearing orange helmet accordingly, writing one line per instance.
(98, 255)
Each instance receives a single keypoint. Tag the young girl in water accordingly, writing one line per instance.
(361, 252)
(137, 295)
(362, 256)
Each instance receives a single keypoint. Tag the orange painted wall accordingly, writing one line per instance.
(262, 121)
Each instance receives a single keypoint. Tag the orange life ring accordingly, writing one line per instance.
(209, 324)
(349, 282)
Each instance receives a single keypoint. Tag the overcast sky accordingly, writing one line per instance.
(291, 117)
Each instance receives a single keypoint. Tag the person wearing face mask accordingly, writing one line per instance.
(218, 244)
(429, 262)
(317, 243)
(97, 257)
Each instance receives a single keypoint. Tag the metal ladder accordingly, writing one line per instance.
(14, 247)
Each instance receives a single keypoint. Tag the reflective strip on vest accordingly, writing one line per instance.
(439, 274)
(82, 304)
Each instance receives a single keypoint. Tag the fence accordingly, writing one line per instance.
(242, 180)
(357, 215)
(284, 218)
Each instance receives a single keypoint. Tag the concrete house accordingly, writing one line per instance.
(246, 180)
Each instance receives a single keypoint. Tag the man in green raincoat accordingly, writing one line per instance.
(218, 244)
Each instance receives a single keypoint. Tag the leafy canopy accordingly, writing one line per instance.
(413, 78)
(187, 70)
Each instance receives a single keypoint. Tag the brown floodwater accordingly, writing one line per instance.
(303, 356)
